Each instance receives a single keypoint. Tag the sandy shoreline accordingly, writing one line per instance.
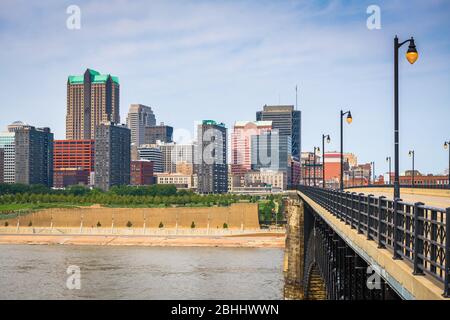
(269, 240)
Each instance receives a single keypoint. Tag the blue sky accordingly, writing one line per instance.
(223, 60)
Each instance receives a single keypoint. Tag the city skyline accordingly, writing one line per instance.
(189, 75)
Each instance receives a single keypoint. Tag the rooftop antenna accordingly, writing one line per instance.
(296, 91)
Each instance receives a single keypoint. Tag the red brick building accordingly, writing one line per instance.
(141, 173)
(73, 161)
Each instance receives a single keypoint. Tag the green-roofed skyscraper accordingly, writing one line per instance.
(92, 98)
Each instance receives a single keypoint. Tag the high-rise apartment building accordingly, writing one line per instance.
(161, 133)
(8, 145)
(73, 162)
(112, 155)
(241, 160)
(92, 98)
(34, 156)
(211, 157)
(139, 117)
(287, 121)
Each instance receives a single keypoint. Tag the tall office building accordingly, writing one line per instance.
(112, 155)
(92, 98)
(8, 145)
(34, 156)
(139, 117)
(271, 151)
(153, 154)
(287, 121)
(241, 143)
(211, 157)
(161, 133)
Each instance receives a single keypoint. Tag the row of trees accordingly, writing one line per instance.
(115, 199)
(152, 190)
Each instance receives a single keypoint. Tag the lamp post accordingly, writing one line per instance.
(447, 146)
(314, 165)
(349, 120)
(411, 56)
(327, 137)
(411, 154)
(388, 159)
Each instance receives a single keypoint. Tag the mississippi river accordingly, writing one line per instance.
(105, 272)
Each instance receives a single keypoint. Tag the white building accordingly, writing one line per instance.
(7, 143)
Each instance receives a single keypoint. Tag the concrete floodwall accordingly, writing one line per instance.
(236, 216)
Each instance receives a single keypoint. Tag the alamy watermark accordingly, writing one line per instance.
(73, 282)
(73, 22)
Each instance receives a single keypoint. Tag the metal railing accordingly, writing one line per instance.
(413, 232)
(409, 186)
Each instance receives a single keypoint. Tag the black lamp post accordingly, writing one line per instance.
(411, 154)
(411, 56)
(349, 120)
(388, 159)
(447, 146)
(327, 137)
(314, 166)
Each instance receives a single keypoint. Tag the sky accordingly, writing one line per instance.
(223, 60)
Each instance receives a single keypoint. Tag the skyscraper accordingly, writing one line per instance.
(8, 145)
(112, 155)
(34, 156)
(92, 98)
(211, 157)
(161, 133)
(287, 121)
(241, 143)
(139, 117)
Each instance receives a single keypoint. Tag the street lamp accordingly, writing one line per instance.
(324, 137)
(411, 56)
(388, 159)
(316, 149)
(447, 146)
(349, 120)
(411, 154)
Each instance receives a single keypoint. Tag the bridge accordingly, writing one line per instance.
(346, 245)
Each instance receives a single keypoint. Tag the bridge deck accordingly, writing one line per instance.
(434, 198)
(398, 273)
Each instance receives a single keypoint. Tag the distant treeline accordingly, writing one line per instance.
(152, 190)
(154, 195)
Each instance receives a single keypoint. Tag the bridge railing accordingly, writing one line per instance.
(412, 231)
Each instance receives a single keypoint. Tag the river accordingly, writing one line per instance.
(108, 272)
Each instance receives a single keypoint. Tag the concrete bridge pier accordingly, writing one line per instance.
(294, 250)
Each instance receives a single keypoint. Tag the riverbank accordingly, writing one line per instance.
(257, 240)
